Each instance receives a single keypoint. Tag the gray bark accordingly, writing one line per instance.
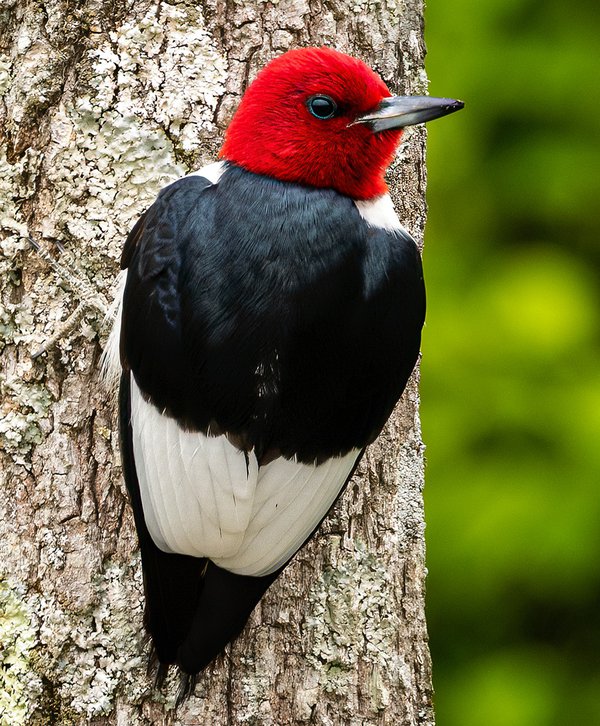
(101, 104)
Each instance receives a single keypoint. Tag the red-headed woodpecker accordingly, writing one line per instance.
(270, 320)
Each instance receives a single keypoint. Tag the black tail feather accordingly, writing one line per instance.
(157, 670)
(172, 586)
(187, 684)
(193, 608)
(172, 582)
(224, 606)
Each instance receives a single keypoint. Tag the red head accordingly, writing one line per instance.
(321, 118)
(274, 132)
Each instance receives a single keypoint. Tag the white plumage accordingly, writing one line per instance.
(379, 212)
(202, 496)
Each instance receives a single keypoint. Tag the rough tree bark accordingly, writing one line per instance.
(101, 103)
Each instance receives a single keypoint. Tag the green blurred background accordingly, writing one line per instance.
(511, 365)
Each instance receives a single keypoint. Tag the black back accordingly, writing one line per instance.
(271, 311)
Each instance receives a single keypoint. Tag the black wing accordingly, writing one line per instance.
(271, 313)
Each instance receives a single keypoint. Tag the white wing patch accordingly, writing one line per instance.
(379, 212)
(203, 497)
(197, 491)
(290, 501)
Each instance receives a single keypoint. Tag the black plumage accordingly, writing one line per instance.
(271, 311)
(274, 314)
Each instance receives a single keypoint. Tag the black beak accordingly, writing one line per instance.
(396, 112)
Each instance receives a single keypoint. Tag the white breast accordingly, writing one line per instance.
(203, 497)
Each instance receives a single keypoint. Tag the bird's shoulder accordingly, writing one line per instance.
(160, 225)
(223, 211)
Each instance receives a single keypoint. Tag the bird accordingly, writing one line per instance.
(270, 319)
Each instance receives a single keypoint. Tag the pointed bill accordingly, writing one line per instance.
(396, 112)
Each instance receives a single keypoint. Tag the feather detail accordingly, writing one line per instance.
(204, 497)
(379, 212)
(110, 360)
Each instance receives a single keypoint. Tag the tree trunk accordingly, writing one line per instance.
(101, 104)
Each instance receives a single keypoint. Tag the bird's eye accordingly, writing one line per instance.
(322, 107)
